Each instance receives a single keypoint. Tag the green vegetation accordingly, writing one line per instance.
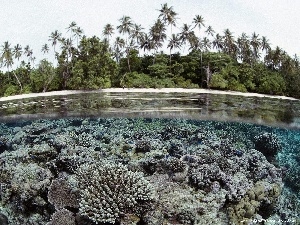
(127, 56)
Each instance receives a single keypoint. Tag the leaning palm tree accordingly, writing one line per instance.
(7, 60)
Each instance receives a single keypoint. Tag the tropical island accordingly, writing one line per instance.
(127, 55)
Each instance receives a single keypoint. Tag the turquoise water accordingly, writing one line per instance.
(159, 161)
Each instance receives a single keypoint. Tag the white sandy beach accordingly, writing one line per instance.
(142, 90)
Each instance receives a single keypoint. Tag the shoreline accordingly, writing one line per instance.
(143, 90)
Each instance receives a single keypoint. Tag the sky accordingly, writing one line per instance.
(30, 22)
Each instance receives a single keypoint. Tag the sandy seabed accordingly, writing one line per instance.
(142, 90)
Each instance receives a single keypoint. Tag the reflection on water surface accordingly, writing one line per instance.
(167, 105)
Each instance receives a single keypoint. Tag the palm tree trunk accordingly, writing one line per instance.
(170, 60)
(128, 61)
(18, 81)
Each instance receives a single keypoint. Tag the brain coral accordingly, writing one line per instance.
(110, 190)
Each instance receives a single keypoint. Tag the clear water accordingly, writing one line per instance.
(217, 158)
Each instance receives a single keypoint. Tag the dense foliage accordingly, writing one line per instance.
(137, 59)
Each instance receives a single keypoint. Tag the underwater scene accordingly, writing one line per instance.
(146, 159)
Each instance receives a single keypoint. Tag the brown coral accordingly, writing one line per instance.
(261, 195)
(60, 194)
(62, 217)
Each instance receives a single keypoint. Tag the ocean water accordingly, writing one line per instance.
(149, 159)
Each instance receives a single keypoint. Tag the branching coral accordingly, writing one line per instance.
(110, 190)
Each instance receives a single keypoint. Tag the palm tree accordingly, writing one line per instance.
(118, 46)
(137, 33)
(255, 43)
(274, 58)
(199, 22)
(230, 47)
(168, 15)
(146, 42)
(185, 33)
(72, 28)
(67, 46)
(174, 42)
(78, 32)
(125, 27)
(195, 43)
(54, 38)
(244, 48)
(29, 53)
(218, 42)
(296, 60)
(206, 44)
(210, 31)
(265, 45)
(45, 48)
(108, 31)
(158, 34)
(17, 51)
(67, 55)
(7, 60)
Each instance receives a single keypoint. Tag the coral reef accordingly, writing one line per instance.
(267, 143)
(146, 171)
(261, 198)
(61, 194)
(110, 190)
(3, 219)
(62, 217)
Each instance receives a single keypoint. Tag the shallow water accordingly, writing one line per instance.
(197, 160)
(268, 111)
